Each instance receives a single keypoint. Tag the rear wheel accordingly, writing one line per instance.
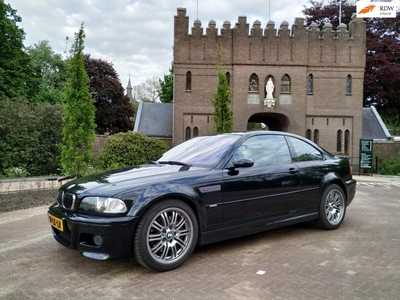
(166, 235)
(332, 208)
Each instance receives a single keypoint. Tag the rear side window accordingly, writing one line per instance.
(265, 150)
(304, 151)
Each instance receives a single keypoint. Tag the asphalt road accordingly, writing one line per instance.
(360, 260)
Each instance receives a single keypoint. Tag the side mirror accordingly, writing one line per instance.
(241, 163)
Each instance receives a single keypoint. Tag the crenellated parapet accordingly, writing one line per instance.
(242, 44)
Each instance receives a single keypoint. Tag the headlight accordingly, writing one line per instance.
(103, 205)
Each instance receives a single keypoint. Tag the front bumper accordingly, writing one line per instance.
(97, 237)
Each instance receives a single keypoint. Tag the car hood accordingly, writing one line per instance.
(113, 182)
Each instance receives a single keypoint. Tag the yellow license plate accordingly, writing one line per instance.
(56, 222)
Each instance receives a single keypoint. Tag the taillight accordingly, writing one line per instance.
(351, 170)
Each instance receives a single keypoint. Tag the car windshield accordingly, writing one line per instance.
(204, 150)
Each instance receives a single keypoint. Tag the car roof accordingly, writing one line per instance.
(263, 132)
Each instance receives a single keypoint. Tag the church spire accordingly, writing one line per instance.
(129, 90)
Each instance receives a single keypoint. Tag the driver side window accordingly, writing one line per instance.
(265, 150)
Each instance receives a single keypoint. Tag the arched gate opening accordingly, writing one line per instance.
(271, 121)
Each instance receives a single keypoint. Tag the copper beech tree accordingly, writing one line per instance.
(114, 112)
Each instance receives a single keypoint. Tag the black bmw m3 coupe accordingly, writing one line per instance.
(207, 189)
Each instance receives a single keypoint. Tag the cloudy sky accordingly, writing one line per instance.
(136, 36)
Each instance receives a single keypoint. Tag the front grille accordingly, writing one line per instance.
(66, 200)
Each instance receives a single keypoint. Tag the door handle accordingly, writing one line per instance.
(293, 171)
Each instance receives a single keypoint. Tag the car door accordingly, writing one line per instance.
(265, 190)
(312, 168)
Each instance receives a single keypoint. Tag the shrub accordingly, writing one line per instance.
(16, 172)
(129, 149)
(390, 166)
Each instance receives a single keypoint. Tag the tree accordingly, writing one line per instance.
(79, 114)
(222, 100)
(53, 70)
(381, 84)
(167, 86)
(18, 77)
(114, 112)
(382, 72)
(321, 13)
(148, 91)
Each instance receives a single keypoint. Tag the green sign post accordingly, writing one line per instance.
(366, 154)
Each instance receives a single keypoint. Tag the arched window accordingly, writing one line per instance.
(310, 84)
(308, 134)
(188, 81)
(253, 83)
(285, 84)
(316, 136)
(188, 133)
(228, 78)
(195, 132)
(339, 137)
(346, 142)
(348, 85)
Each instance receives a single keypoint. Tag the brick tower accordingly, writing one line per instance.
(317, 78)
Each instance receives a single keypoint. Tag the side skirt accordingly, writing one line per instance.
(250, 228)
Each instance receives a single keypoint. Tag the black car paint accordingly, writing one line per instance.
(225, 208)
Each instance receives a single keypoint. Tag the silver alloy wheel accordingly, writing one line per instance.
(170, 235)
(334, 207)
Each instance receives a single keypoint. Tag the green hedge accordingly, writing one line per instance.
(30, 135)
(129, 149)
(390, 166)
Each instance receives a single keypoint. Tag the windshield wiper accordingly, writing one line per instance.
(172, 162)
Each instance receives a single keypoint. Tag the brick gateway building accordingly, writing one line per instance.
(317, 78)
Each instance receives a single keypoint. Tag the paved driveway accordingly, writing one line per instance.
(360, 260)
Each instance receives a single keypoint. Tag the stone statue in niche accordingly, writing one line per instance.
(270, 89)
(269, 101)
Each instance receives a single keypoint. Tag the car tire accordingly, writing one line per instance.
(166, 235)
(332, 208)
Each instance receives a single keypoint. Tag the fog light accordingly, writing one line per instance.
(98, 240)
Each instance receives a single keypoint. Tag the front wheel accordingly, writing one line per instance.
(166, 235)
(332, 208)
